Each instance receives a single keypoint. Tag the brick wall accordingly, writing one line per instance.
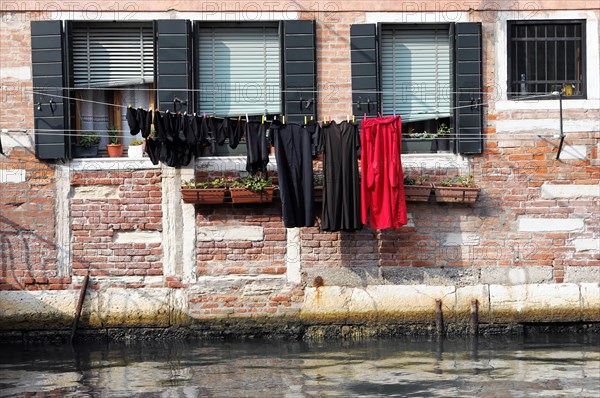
(130, 204)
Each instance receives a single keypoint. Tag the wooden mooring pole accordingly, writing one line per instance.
(474, 317)
(86, 280)
(439, 318)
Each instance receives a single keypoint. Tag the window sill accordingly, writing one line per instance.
(546, 104)
(229, 163)
(112, 164)
(433, 161)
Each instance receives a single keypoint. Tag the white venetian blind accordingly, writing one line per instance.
(415, 73)
(106, 55)
(239, 70)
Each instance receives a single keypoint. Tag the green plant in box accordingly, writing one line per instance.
(114, 135)
(252, 183)
(88, 139)
(136, 142)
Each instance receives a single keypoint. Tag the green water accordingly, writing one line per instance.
(535, 366)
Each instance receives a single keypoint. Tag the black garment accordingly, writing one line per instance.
(293, 151)
(173, 149)
(236, 130)
(257, 144)
(139, 120)
(153, 147)
(341, 188)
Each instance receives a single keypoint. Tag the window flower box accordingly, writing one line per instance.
(417, 193)
(203, 195)
(243, 195)
(456, 190)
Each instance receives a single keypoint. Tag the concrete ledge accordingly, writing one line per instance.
(570, 191)
(516, 275)
(550, 224)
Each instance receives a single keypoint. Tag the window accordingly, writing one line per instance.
(112, 66)
(416, 80)
(430, 74)
(546, 56)
(239, 70)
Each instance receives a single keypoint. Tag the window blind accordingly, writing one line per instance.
(415, 73)
(106, 55)
(239, 70)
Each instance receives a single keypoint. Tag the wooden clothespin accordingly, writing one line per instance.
(324, 119)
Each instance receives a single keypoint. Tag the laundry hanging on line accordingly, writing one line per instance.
(382, 185)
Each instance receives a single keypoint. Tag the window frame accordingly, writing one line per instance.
(509, 67)
(381, 26)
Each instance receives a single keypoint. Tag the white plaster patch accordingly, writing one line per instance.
(548, 125)
(292, 256)
(15, 140)
(137, 237)
(235, 233)
(550, 224)
(570, 191)
(461, 239)
(584, 245)
(12, 176)
(18, 73)
(96, 192)
(573, 152)
(222, 163)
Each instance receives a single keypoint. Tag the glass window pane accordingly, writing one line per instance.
(560, 61)
(551, 60)
(571, 60)
(541, 60)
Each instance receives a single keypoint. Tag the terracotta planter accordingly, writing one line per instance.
(243, 195)
(114, 150)
(203, 195)
(455, 194)
(417, 193)
(318, 193)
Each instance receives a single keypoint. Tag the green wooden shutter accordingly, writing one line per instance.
(174, 60)
(415, 72)
(300, 71)
(239, 70)
(47, 57)
(112, 54)
(468, 81)
(365, 80)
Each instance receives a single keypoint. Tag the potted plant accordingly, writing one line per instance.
(441, 143)
(318, 180)
(251, 189)
(417, 142)
(114, 146)
(205, 192)
(87, 144)
(417, 189)
(135, 149)
(459, 189)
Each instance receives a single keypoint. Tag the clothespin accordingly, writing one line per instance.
(263, 119)
(312, 117)
(352, 118)
(247, 118)
(324, 119)
(379, 114)
(304, 119)
(129, 105)
(348, 118)
(365, 117)
(205, 115)
(329, 118)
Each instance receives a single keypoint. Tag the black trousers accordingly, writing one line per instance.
(293, 151)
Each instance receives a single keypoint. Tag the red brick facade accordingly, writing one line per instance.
(511, 172)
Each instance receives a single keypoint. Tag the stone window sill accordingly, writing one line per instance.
(112, 164)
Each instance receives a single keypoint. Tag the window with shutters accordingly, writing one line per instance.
(112, 66)
(546, 56)
(416, 81)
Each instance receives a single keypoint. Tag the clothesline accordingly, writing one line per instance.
(126, 106)
(197, 90)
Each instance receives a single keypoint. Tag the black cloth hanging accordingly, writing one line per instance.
(235, 132)
(153, 147)
(257, 156)
(139, 120)
(340, 144)
(293, 151)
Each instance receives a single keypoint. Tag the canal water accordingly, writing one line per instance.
(565, 365)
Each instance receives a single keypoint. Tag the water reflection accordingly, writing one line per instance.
(543, 365)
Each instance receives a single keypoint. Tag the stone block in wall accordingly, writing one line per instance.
(516, 275)
(590, 301)
(120, 307)
(527, 224)
(230, 232)
(582, 274)
(535, 303)
(570, 191)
